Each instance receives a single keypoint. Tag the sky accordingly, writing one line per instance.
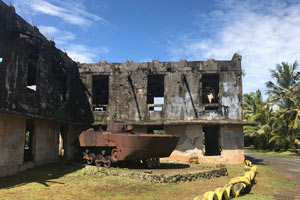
(264, 32)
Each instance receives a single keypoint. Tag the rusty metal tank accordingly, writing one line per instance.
(118, 143)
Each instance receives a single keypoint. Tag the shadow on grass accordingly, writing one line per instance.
(44, 175)
(255, 160)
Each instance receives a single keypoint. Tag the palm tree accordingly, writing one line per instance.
(285, 93)
(258, 111)
(252, 105)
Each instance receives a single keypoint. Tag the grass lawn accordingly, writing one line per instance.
(65, 181)
(280, 153)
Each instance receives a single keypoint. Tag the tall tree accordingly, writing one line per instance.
(283, 94)
(258, 111)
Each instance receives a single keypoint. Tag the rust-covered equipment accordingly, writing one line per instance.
(117, 143)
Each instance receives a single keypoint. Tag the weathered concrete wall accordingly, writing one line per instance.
(182, 90)
(59, 93)
(191, 136)
(232, 137)
(37, 82)
(12, 140)
(191, 144)
(12, 135)
(46, 142)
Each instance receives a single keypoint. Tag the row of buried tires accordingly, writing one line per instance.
(236, 186)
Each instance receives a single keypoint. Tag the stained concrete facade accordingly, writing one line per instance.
(41, 97)
(185, 98)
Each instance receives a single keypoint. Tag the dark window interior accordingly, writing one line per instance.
(31, 75)
(211, 107)
(157, 129)
(100, 89)
(212, 140)
(155, 87)
(210, 88)
(28, 153)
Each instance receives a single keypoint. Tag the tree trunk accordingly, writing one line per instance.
(292, 143)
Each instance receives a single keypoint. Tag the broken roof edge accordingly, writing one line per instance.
(234, 57)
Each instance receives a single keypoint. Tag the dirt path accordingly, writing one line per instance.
(287, 166)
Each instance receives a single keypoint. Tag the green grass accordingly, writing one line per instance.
(64, 181)
(280, 153)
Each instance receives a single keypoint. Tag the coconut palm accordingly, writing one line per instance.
(285, 93)
(257, 111)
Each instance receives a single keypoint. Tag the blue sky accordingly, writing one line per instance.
(264, 32)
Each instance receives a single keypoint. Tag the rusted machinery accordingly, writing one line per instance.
(118, 143)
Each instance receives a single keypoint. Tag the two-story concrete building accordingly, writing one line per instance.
(200, 101)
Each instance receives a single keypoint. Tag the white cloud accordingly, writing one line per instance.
(53, 33)
(84, 54)
(70, 11)
(77, 52)
(265, 33)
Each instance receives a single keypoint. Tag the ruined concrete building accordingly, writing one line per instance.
(200, 101)
(42, 99)
(46, 100)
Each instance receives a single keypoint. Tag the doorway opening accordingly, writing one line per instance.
(211, 142)
(28, 144)
(62, 144)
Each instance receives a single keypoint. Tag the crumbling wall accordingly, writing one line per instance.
(182, 91)
(38, 83)
(36, 78)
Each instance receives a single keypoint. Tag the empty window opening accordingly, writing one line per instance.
(31, 77)
(155, 89)
(159, 129)
(211, 142)
(99, 108)
(155, 108)
(100, 89)
(28, 146)
(62, 144)
(210, 88)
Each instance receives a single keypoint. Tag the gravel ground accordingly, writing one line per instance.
(287, 166)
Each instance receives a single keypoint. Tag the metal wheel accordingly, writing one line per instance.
(91, 159)
(99, 160)
(107, 162)
(114, 155)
